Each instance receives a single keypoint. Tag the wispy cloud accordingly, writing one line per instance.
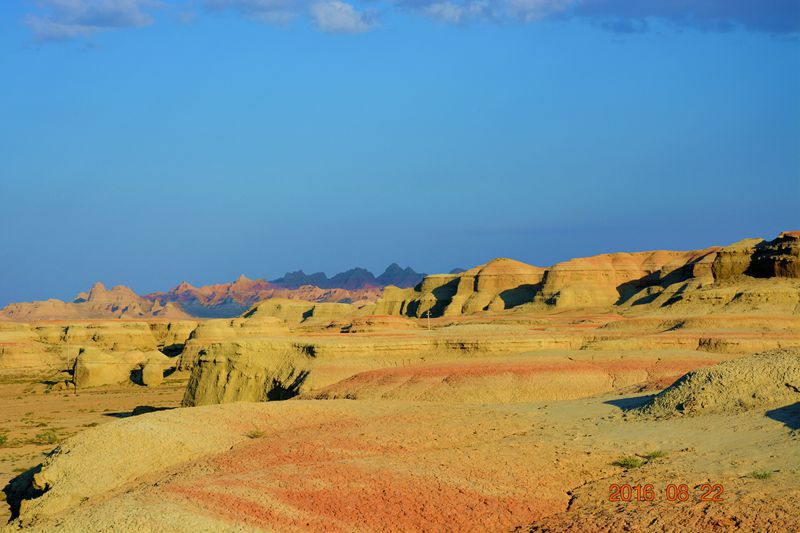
(770, 16)
(57, 20)
(460, 12)
(457, 13)
(334, 16)
(625, 16)
(279, 12)
(54, 20)
(340, 17)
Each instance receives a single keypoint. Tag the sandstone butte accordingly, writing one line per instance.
(500, 398)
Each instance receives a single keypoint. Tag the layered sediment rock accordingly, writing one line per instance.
(497, 285)
(606, 280)
(220, 329)
(94, 367)
(254, 371)
(628, 281)
(779, 258)
(99, 302)
(374, 358)
(38, 348)
(734, 260)
(299, 310)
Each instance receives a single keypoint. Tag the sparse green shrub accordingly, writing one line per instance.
(48, 437)
(629, 462)
(655, 454)
(761, 474)
(255, 434)
(3, 440)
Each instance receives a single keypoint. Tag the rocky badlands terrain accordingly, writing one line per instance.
(655, 391)
(357, 286)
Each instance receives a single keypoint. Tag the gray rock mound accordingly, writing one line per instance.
(760, 381)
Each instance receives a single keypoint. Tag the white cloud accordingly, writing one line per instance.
(463, 11)
(453, 13)
(67, 19)
(52, 20)
(533, 10)
(277, 12)
(770, 16)
(340, 17)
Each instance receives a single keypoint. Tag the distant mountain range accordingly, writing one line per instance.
(353, 279)
(231, 299)
(219, 300)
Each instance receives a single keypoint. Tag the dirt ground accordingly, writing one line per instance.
(343, 465)
(473, 439)
(38, 414)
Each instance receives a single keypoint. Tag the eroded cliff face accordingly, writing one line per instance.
(498, 285)
(779, 258)
(292, 310)
(609, 280)
(757, 258)
(299, 346)
(598, 282)
(640, 281)
(42, 347)
(255, 370)
(222, 329)
(560, 356)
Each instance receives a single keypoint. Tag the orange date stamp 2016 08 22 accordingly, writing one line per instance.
(705, 492)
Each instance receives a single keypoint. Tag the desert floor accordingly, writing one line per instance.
(36, 415)
(342, 465)
(476, 438)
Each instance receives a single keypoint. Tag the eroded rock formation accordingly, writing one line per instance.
(644, 280)
(99, 302)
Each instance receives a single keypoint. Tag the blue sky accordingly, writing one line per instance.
(147, 143)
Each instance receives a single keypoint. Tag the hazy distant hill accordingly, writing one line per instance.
(353, 279)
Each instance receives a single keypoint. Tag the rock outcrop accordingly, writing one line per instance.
(250, 371)
(733, 261)
(220, 329)
(99, 302)
(760, 381)
(757, 258)
(637, 282)
(39, 348)
(779, 258)
(94, 367)
(154, 368)
(393, 357)
(299, 310)
(497, 285)
(603, 281)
